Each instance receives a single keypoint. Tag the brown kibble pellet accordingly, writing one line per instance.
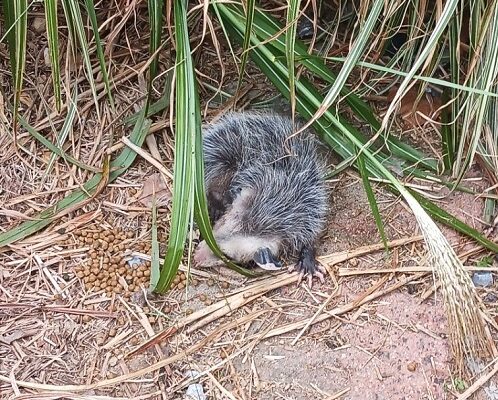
(208, 302)
(152, 319)
(80, 274)
(180, 286)
(183, 277)
(87, 272)
(195, 282)
(202, 297)
(167, 310)
(189, 311)
(121, 321)
(412, 366)
(146, 273)
(129, 235)
(225, 285)
(113, 332)
(85, 318)
(134, 341)
(131, 287)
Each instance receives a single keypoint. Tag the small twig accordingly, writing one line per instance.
(141, 152)
(404, 270)
(480, 382)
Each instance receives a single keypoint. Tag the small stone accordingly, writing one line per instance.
(113, 361)
(202, 297)
(412, 366)
(482, 278)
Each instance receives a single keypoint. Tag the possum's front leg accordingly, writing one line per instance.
(308, 266)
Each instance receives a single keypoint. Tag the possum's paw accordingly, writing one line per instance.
(308, 266)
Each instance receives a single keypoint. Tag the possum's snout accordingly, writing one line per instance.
(204, 257)
(243, 250)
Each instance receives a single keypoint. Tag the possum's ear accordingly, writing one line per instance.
(266, 260)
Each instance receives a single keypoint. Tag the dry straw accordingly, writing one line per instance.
(464, 309)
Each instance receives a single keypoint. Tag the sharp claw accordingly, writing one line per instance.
(300, 278)
(320, 276)
(291, 268)
(321, 268)
(310, 281)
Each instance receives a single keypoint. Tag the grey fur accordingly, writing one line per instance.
(281, 180)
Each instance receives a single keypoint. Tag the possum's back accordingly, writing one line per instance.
(240, 138)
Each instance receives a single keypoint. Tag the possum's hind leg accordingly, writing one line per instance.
(308, 266)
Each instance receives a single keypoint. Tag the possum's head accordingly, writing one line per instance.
(236, 243)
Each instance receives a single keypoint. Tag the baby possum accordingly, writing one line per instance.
(266, 192)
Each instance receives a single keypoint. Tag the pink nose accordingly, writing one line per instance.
(203, 255)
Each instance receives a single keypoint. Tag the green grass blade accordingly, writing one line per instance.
(290, 42)
(371, 199)
(449, 220)
(187, 126)
(432, 42)
(249, 17)
(66, 127)
(447, 134)
(156, 26)
(154, 253)
(354, 55)
(90, 8)
(201, 209)
(154, 108)
(16, 20)
(483, 76)
(53, 48)
(77, 27)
